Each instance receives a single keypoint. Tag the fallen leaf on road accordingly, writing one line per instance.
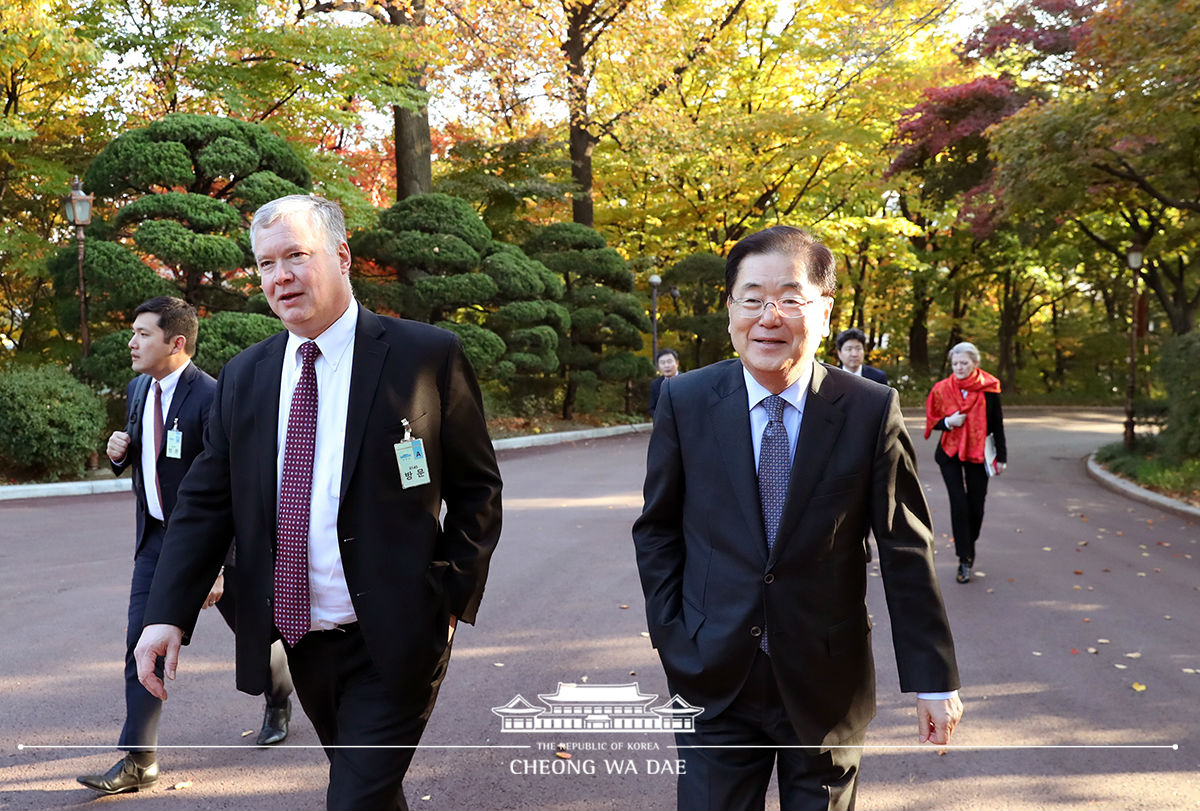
(248, 732)
(583, 679)
(563, 755)
(1189, 670)
(646, 634)
(1134, 655)
(1102, 641)
(1018, 530)
(1119, 666)
(1093, 650)
(427, 797)
(1037, 653)
(623, 605)
(1079, 571)
(497, 664)
(182, 784)
(1166, 616)
(633, 673)
(1078, 588)
(1162, 543)
(1010, 580)
(1045, 548)
(1074, 651)
(1138, 687)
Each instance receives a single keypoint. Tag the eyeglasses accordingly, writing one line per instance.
(786, 307)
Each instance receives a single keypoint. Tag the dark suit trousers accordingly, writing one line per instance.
(281, 680)
(348, 703)
(966, 485)
(726, 778)
(142, 710)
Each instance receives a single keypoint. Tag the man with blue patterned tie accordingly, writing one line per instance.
(763, 476)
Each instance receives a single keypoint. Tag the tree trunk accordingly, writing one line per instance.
(414, 152)
(580, 141)
(918, 330)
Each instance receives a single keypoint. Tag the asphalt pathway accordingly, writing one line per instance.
(1064, 568)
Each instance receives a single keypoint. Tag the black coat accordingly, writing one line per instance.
(710, 585)
(407, 569)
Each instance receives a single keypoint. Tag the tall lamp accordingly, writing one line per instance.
(1134, 257)
(655, 280)
(77, 207)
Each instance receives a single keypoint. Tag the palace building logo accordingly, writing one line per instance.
(598, 708)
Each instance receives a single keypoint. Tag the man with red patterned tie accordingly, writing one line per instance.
(332, 448)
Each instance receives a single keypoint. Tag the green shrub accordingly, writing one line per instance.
(223, 335)
(1180, 374)
(50, 423)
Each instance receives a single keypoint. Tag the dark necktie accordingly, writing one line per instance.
(774, 466)
(158, 442)
(295, 496)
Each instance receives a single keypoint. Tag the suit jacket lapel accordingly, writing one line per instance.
(819, 430)
(731, 425)
(183, 387)
(264, 400)
(369, 355)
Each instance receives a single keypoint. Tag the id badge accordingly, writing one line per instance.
(174, 444)
(414, 467)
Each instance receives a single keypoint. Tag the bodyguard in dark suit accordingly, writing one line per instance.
(166, 413)
(763, 476)
(330, 453)
(852, 349)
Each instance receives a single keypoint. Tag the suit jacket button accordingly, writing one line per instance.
(769, 579)
(755, 631)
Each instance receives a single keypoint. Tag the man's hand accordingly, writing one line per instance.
(118, 446)
(215, 593)
(956, 420)
(156, 641)
(936, 720)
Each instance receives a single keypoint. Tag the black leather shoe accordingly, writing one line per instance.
(964, 573)
(124, 776)
(275, 724)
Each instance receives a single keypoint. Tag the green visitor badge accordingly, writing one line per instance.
(414, 467)
(174, 444)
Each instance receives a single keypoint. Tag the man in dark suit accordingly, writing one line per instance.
(667, 362)
(330, 452)
(166, 412)
(763, 476)
(852, 351)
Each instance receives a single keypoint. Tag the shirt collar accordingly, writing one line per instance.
(168, 383)
(756, 392)
(333, 342)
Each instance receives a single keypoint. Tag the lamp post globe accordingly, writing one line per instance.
(77, 208)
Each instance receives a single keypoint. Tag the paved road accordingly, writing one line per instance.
(1062, 565)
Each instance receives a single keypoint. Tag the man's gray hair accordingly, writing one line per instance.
(965, 348)
(324, 214)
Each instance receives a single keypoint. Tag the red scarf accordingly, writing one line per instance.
(950, 395)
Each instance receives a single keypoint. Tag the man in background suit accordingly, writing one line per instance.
(852, 350)
(762, 478)
(166, 412)
(330, 451)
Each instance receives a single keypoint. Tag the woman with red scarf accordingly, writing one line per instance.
(966, 408)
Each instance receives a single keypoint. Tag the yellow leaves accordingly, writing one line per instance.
(1138, 687)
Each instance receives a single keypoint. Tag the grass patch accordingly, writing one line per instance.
(1150, 467)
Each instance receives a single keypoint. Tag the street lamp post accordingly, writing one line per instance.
(1134, 257)
(77, 207)
(655, 280)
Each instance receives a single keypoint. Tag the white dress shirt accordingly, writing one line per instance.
(149, 457)
(328, 596)
(795, 396)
